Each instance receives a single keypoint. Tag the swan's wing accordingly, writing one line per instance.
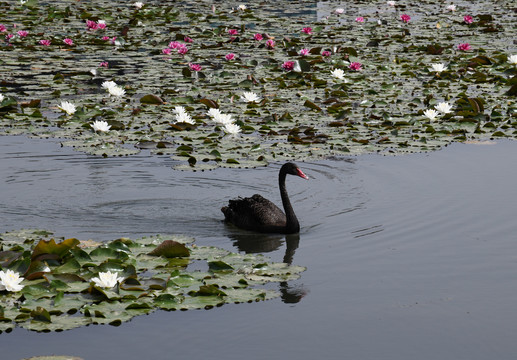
(254, 213)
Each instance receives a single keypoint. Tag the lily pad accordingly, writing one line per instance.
(64, 295)
(349, 114)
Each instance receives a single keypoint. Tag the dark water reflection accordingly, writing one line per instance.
(409, 257)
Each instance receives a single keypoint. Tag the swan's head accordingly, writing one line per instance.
(292, 169)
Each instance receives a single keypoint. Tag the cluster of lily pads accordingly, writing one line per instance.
(49, 285)
(326, 80)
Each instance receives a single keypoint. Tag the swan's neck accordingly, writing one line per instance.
(292, 225)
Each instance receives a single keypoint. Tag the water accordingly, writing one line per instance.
(408, 257)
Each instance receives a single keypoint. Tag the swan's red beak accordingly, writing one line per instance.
(301, 174)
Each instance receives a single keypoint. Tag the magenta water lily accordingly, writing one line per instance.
(368, 77)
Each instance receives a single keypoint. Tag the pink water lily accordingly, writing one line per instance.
(405, 18)
(326, 53)
(103, 64)
(307, 30)
(3, 28)
(181, 48)
(105, 38)
(359, 19)
(233, 32)
(258, 37)
(304, 52)
(270, 44)
(68, 41)
(44, 42)
(468, 19)
(464, 47)
(91, 25)
(230, 56)
(194, 67)
(356, 66)
(187, 39)
(288, 65)
(22, 33)
(166, 51)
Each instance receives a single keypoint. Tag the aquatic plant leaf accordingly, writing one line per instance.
(40, 314)
(66, 297)
(151, 99)
(512, 91)
(58, 323)
(170, 249)
(311, 105)
(219, 265)
(102, 254)
(6, 326)
(168, 301)
(24, 236)
(50, 247)
(36, 270)
(209, 103)
(6, 257)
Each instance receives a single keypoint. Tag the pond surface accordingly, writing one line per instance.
(409, 257)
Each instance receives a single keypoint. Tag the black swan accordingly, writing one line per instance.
(259, 214)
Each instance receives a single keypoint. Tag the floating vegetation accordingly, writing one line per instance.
(60, 285)
(326, 81)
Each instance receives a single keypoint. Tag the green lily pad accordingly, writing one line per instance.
(348, 115)
(64, 296)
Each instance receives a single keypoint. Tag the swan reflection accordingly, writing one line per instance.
(252, 243)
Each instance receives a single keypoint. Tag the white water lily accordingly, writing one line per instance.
(107, 279)
(101, 126)
(182, 116)
(108, 84)
(180, 110)
(338, 73)
(213, 112)
(250, 96)
(242, 7)
(138, 4)
(512, 59)
(116, 91)
(443, 107)
(10, 281)
(67, 107)
(1, 98)
(339, 11)
(451, 7)
(223, 119)
(232, 129)
(431, 114)
(438, 68)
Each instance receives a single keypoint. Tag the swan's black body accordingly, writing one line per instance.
(259, 214)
